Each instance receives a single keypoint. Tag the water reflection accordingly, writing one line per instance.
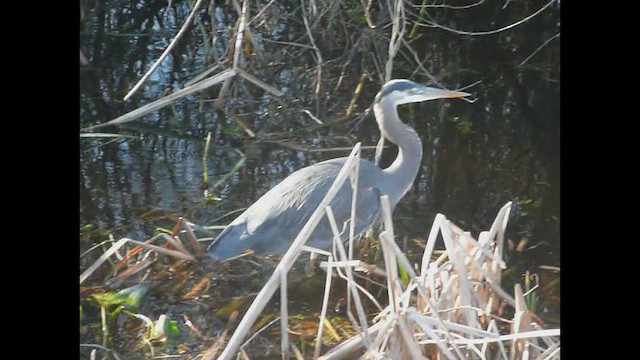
(504, 147)
(478, 156)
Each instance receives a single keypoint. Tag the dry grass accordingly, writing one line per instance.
(451, 307)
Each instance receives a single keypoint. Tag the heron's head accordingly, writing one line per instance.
(401, 91)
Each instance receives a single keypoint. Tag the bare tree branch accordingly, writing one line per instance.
(539, 48)
(166, 51)
(479, 33)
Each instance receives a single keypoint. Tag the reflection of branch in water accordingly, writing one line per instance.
(445, 6)
(166, 51)
(160, 103)
(285, 43)
(419, 63)
(264, 8)
(434, 24)
(539, 48)
(318, 55)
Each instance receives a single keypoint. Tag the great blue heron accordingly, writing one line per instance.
(269, 226)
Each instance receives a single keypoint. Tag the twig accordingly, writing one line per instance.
(259, 331)
(223, 93)
(171, 240)
(550, 352)
(296, 352)
(119, 243)
(367, 15)
(435, 338)
(445, 6)
(107, 135)
(352, 289)
(431, 243)
(240, 34)
(352, 344)
(284, 317)
(356, 94)
(166, 51)
(539, 48)
(333, 5)
(275, 91)
(498, 339)
(105, 328)
(160, 103)
(361, 288)
(242, 19)
(397, 32)
(409, 339)
(134, 269)
(264, 8)
(429, 321)
(325, 304)
(313, 117)
(242, 125)
(419, 63)
(102, 259)
(494, 328)
(510, 300)
(479, 33)
(288, 43)
(202, 75)
(315, 48)
(217, 345)
(214, 32)
(391, 264)
(353, 177)
(205, 159)
(193, 240)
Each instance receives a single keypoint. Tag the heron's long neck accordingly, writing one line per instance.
(402, 172)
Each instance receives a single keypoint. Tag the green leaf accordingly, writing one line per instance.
(165, 327)
(171, 329)
(403, 274)
(129, 298)
(236, 168)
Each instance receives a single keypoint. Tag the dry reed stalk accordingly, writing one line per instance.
(454, 285)
(191, 236)
(455, 293)
(181, 254)
(162, 102)
(353, 290)
(288, 259)
(284, 317)
(325, 304)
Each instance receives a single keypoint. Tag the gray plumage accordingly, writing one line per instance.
(270, 225)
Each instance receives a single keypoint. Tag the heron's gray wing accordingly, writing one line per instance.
(271, 224)
(367, 210)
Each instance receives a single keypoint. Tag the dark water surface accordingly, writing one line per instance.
(477, 156)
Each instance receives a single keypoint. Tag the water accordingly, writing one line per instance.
(503, 147)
